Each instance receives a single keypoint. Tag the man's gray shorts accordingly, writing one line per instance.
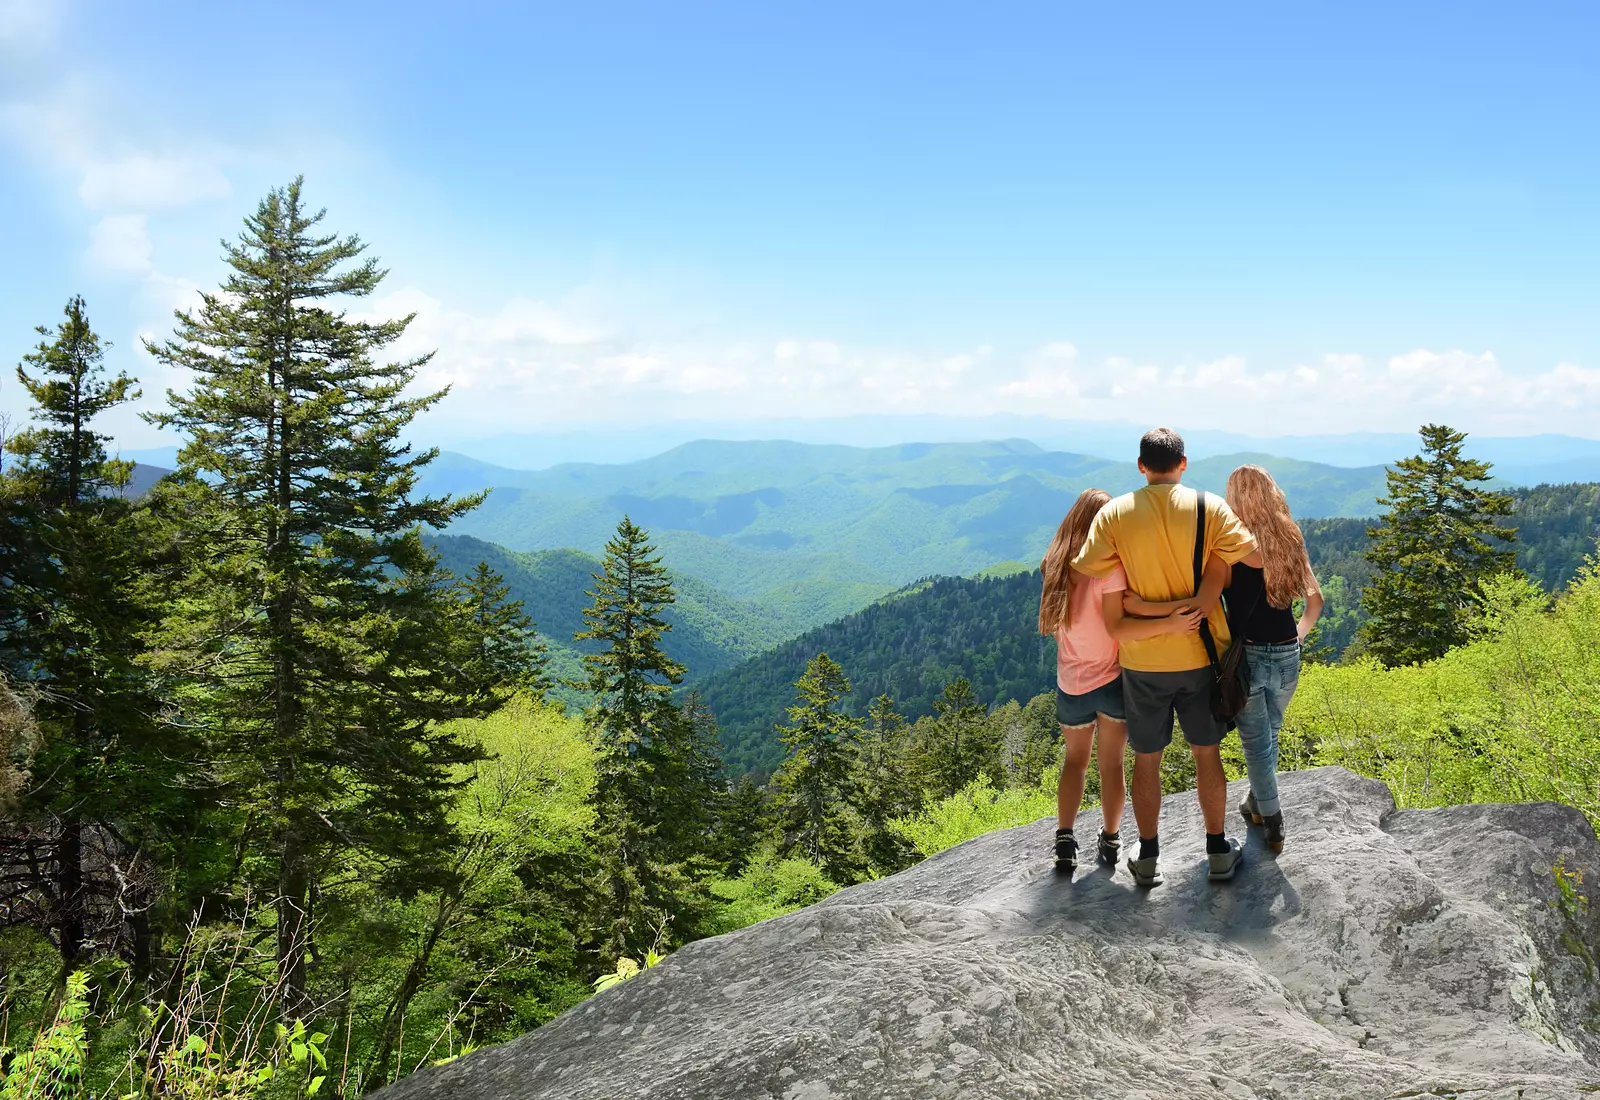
(1152, 698)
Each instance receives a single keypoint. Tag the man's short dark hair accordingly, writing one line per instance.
(1161, 449)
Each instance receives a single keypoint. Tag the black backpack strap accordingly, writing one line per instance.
(1199, 572)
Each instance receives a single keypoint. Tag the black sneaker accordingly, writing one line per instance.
(1248, 811)
(1110, 848)
(1272, 826)
(1066, 850)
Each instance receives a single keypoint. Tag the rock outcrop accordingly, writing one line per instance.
(1384, 953)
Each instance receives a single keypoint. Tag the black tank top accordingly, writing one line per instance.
(1250, 616)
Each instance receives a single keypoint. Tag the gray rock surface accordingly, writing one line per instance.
(1384, 953)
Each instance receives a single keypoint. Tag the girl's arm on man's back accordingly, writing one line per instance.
(1128, 628)
(1212, 582)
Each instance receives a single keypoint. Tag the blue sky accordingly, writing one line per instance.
(1279, 218)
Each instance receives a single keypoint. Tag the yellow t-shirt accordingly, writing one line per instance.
(1150, 533)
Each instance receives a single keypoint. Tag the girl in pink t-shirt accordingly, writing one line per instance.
(1089, 677)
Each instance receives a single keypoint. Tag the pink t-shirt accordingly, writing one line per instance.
(1086, 653)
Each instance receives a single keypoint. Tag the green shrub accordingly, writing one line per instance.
(975, 809)
(770, 887)
(53, 1067)
(1513, 716)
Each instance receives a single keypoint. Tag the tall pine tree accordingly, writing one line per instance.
(815, 775)
(882, 787)
(1437, 542)
(965, 743)
(70, 616)
(640, 734)
(315, 618)
(501, 651)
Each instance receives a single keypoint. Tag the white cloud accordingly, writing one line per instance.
(27, 22)
(144, 181)
(530, 363)
(121, 244)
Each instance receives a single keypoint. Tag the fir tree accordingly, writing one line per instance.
(741, 826)
(815, 774)
(1041, 743)
(63, 461)
(882, 789)
(314, 617)
(71, 611)
(689, 785)
(636, 723)
(1436, 544)
(501, 650)
(966, 743)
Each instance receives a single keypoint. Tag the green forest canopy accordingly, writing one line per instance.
(911, 644)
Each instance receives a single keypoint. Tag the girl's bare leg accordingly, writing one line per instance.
(1079, 741)
(1113, 786)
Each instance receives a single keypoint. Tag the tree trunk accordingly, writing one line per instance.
(294, 926)
(69, 890)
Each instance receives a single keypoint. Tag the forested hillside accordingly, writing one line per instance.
(910, 644)
(908, 647)
(1556, 529)
(710, 630)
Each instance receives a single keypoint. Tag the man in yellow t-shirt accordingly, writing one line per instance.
(1150, 533)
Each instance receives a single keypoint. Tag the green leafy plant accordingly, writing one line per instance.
(626, 968)
(1574, 909)
(52, 1068)
(976, 809)
(197, 1070)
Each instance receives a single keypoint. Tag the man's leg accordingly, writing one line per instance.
(1211, 784)
(1147, 793)
(1147, 700)
(1204, 733)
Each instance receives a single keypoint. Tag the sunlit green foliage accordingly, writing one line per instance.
(1513, 715)
(770, 887)
(975, 809)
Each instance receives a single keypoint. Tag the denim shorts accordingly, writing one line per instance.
(1080, 710)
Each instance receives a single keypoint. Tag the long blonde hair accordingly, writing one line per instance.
(1055, 603)
(1258, 502)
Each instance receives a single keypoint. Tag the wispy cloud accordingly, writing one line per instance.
(532, 363)
(27, 22)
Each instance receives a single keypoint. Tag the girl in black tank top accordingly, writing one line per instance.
(1258, 622)
(1258, 604)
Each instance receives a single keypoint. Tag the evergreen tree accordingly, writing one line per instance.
(1041, 743)
(1436, 544)
(815, 774)
(689, 785)
(881, 787)
(967, 744)
(314, 615)
(63, 461)
(743, 823)
(638, 727)
(70, 616)
(500, 648)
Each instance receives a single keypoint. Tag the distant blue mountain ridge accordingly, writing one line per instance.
(1525, 460)
(1519, 460)
(775, 520)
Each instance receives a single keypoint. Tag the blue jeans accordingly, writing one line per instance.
(1274, 674)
